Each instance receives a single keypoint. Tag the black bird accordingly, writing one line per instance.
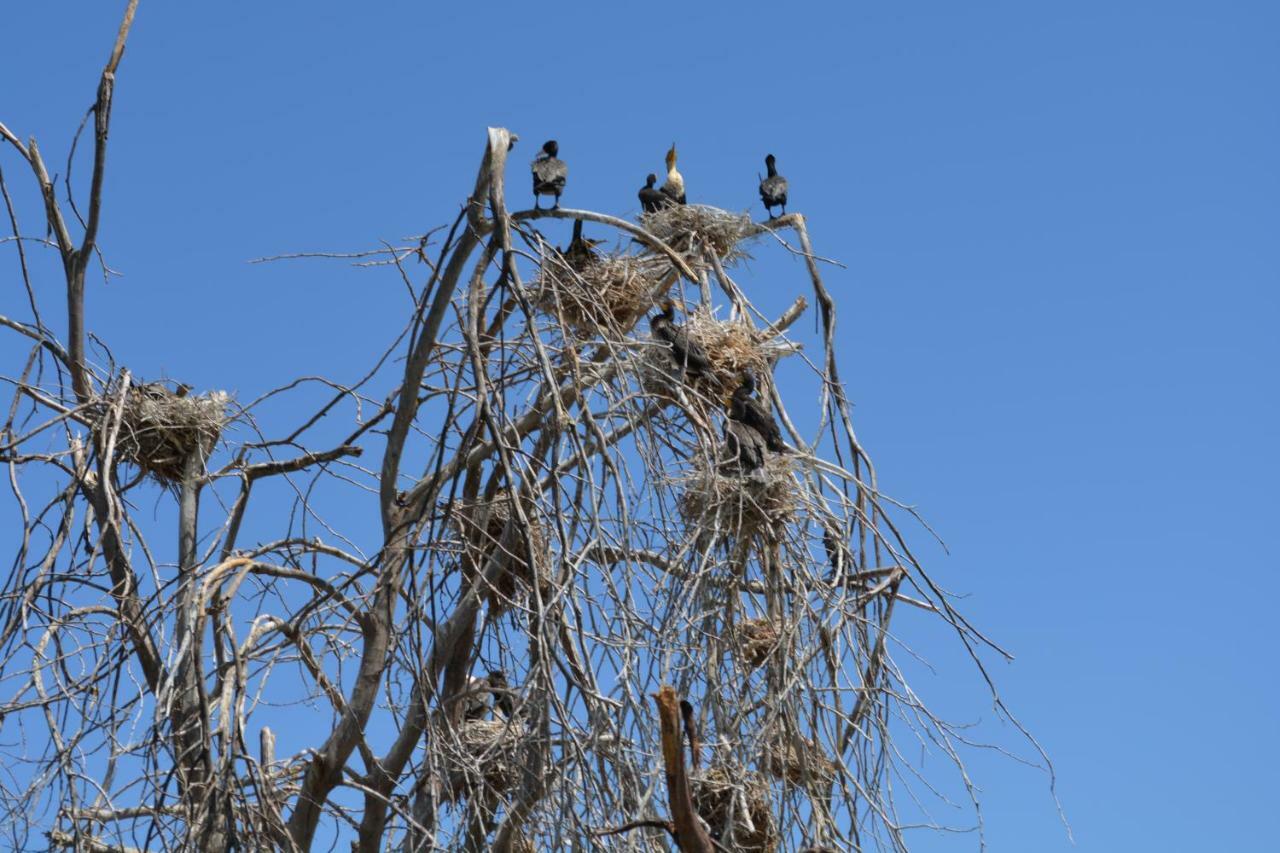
(580, 253)
(837, 553)
(773, 189)
(549, 173)
(746, 409)
(501, 691)
(743, 446)
(686, 353)
(674, 185)
(651, 199)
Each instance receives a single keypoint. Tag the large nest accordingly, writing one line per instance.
(479, 755)
(481, 525)
(160, 428)
(755, 640)
(735, 805)
(731, 346)
(760, 502)
(796, 760)
(606, 294)
(691, 228)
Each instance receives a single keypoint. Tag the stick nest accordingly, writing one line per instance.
(731, 346)
(480, 756)
(734, 801)
(607, 294)
(755, 640)
(691, 228)
(160, 428)
(481, 524)
(796, 760)
(760, 502)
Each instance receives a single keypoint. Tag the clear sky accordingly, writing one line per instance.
(1060, 223)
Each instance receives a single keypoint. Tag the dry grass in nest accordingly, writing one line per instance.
(159, 429)
(726, 797)
(741, 505)
(732, 347)
(520, 572)
(480, 755)
(689, 228)
(796, 760)
(609, 294)
(756, 639)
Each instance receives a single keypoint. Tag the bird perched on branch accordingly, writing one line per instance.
(549, 173)
(501, 691)
(651, 199)
(674, 186)
(744, 447)
(581, 252)
(773, 189)
(746, 409)
(686, 353)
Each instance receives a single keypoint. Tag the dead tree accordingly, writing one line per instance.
(554, 507)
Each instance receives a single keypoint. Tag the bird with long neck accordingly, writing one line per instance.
(773, 189)
(674, 186)
(581, 251)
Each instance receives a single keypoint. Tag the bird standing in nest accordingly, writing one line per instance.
(501, 692)
(549, 173)
(744, 447)
(581, 252)
(652, 199)
(746, 409)
(674, 186)
(686, 353)
(475, 704)
(773, 189)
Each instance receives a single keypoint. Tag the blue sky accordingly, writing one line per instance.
(1059, 222)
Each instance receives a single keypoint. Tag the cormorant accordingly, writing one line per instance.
(746, 409)
(652, 199)
(744, 446)
(691, 732)
(674, 186)
(580, 252)
(773, 189)
(837, 553)
(549, 173)
(686, 353)
(502, 698)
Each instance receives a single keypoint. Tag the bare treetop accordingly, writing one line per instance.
(591, 490)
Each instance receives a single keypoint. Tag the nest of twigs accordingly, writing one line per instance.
(692, 228)
(755, 640)
(606, 294)
(732, 347)
(480, 756)
(160, 428)
(763, 501)
(796, 760)
(481, 525)
(735, 805)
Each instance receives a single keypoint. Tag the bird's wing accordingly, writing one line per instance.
(548, 169)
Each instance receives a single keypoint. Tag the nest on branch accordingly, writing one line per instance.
(606, 294)
(691, 228)
(731, 346)
(735, 805)
(481, 525)
(160, 428)
(796, 760)
(763, 501)
(480, 756)
(755, 639)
